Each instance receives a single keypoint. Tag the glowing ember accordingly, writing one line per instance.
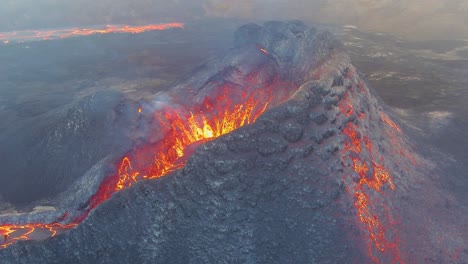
(35, 35)
(212, 118)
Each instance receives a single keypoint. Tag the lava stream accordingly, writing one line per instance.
(370, 180)
(182, 130)
(35, 35)
(12, 233)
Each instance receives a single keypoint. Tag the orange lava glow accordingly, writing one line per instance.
(368, 188)
(393, 132)
(390, 122)
(35, 35)
(346, 107)
(180, 129)
(14, 233)
(262, 49)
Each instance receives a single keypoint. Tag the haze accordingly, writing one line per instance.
(415, 19)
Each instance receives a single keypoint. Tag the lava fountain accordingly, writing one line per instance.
(37, 35)
(223, 109)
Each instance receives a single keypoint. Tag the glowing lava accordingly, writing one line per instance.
(183, 130)
(14, 233)
(35, 35)
(370, 180)
(217, 115)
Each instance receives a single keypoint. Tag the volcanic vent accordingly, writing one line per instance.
(315, 173)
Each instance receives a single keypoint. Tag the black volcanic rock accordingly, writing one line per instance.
(285, 189)
(274, 203)
(294, 46)
(78, 135)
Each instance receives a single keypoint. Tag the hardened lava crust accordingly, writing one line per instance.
(329, 175)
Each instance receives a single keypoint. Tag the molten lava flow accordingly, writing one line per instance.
(182, 130)
(368, 186)
(215, 116)
(34, 35)
(14, 233)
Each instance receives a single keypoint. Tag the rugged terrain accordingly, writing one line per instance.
(328, 176)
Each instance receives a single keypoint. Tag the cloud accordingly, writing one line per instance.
(422, 19)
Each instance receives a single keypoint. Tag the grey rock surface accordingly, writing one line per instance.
(280, 190)
(87, 130)
(249, 197)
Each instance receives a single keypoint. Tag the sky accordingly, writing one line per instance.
(416, 19)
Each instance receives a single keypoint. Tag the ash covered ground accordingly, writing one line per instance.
(282, 190)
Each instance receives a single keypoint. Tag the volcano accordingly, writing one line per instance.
(275, 152)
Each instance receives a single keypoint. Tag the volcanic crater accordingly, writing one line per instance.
(276, 152)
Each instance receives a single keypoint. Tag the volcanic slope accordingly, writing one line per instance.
(328, 176)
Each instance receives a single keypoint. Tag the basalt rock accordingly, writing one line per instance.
(329, 176)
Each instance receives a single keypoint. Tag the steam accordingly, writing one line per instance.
(432, 20)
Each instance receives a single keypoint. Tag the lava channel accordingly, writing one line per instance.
(219, 114)
(37, 35)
